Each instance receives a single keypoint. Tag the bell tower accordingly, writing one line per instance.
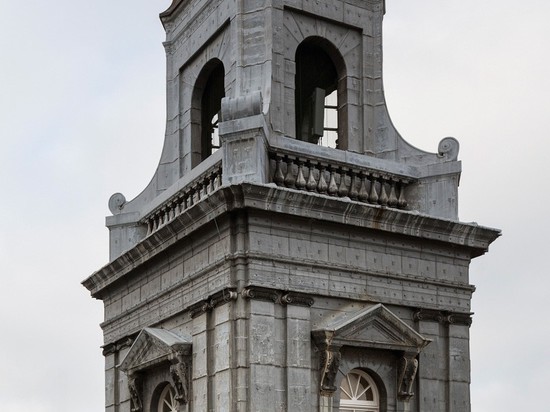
(292, 251)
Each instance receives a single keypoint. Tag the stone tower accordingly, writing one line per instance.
(292, 252)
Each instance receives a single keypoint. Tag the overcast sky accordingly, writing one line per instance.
(82, 111)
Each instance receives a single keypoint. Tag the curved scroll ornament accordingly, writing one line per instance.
(407, 373)
(180, 378)
(135, 397)
(116, 203)
(448, 148)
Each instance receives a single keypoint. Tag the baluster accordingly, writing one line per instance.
(199, 191)
(322, 185)
(206, 185)
(184, 202)
(311, 184)
(353, 192)
(343, 188)
(373, 195)
(332, 188)
(170, 211)
(300, 180)
(290, 180)
(392, 201)
(149, 226)
(402, 202)
(179, 201)
(383, 195)
(219, 178)
(363, 194)
(278, 177)
(190, 199)
(212, 182)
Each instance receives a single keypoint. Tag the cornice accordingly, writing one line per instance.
(278, 200)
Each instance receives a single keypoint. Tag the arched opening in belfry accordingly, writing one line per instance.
(319, 93)
(207, 97)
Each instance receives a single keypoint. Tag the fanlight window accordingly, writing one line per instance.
(167, 400)
(358, 393)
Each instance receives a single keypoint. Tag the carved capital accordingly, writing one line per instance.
(199, 308)
(259, 293)
(216, 299)
(300, 299)
(408, 366)
(444, 317)
(464, 319)
(224, 296)
(428, 315)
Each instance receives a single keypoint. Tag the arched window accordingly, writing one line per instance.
(317, 93)
(167, 400)
(207, 99)
(358, 393)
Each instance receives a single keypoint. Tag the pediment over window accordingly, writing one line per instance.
(155, 346)
(372, 327)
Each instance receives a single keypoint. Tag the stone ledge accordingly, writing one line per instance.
(302, 204)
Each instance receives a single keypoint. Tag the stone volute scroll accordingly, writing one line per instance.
(373, 327)
(116, 203)
(159, 349)
(448, 148)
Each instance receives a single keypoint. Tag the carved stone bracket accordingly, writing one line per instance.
(134, 387)
(329, 362)
(276, 296)
(450, 318)
(179, 372)
(408, 366)
(216, 299)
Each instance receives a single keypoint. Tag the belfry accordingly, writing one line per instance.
(292, 251)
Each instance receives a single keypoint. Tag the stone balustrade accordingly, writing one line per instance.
(300, 172)
(206, 183)
(339, 179)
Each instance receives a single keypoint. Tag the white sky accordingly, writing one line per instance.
(82, 116)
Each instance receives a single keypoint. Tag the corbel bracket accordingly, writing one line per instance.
(408, 366)
(179, 372)
(329, 362)
(134, 386)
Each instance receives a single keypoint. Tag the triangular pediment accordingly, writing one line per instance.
(373, 327)
(152, 347)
